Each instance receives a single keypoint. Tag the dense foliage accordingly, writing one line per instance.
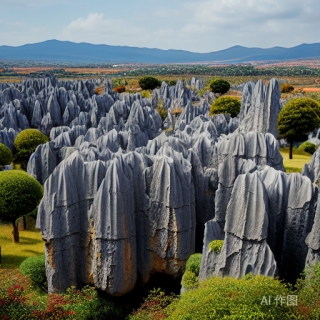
(219, 86)
(26, 143)
(18, 300)
(149, 83)
(190, 277)
(225, 105)
(297, 118)
(36, 269)
(228, 298)
(308, 147)
(216, 245)
(5, 155)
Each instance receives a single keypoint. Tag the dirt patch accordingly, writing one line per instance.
(311, 89)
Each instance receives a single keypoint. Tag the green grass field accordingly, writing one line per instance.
(299, 159)
(12, 254)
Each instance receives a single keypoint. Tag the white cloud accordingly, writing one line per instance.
(97, 29)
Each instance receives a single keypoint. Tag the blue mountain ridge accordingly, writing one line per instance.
(66, 51)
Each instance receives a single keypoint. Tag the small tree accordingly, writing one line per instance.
(149, 83)
(219, 86)
(229, 105)
(20, 194)
(26, 143)
(297, 118)
(5, 156)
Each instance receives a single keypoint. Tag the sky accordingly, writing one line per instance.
(197, 26)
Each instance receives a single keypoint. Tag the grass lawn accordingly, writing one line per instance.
(12, 254)
(299, 159)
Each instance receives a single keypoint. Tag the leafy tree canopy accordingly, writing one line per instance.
(226, 104)
(297, 118)
(149, 83)
(219, 86)
(20, 193)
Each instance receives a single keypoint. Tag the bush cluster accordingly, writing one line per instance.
(19, 301)
(190, 277)
(308, 147)
(36, 269)
(216, 246)
(226, 105)
(149, 83)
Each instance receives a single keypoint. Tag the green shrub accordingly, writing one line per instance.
(219, 86)
(286, 88)
(225, 105)
(216, 246)
(153, 306)
(26, 143)
(149, 83)
(161, 110)
(35, 268)
(229, 298)
(189, 280)
(309, 293)
(145, 94)
(308, 147)
(5, 155)
(193, 263)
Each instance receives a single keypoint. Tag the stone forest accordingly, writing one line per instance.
(128, 195)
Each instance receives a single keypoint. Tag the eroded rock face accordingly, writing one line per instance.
(270, 213)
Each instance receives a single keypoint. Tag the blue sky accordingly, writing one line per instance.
(199, 26)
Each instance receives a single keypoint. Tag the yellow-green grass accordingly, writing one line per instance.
(12, 254)
(296, 164)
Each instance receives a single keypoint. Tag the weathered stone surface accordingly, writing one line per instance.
(245, 247)
(260, 108)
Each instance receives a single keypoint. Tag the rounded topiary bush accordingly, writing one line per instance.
(219, 86)
(5, 155)
(216, 246)
(226, 105)
(29, 139)
(36, 269)
(308, 147)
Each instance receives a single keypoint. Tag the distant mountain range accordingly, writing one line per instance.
(66, 51)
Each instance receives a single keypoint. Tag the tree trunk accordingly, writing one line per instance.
(22, 224)
(15, 231)
(290, 151)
